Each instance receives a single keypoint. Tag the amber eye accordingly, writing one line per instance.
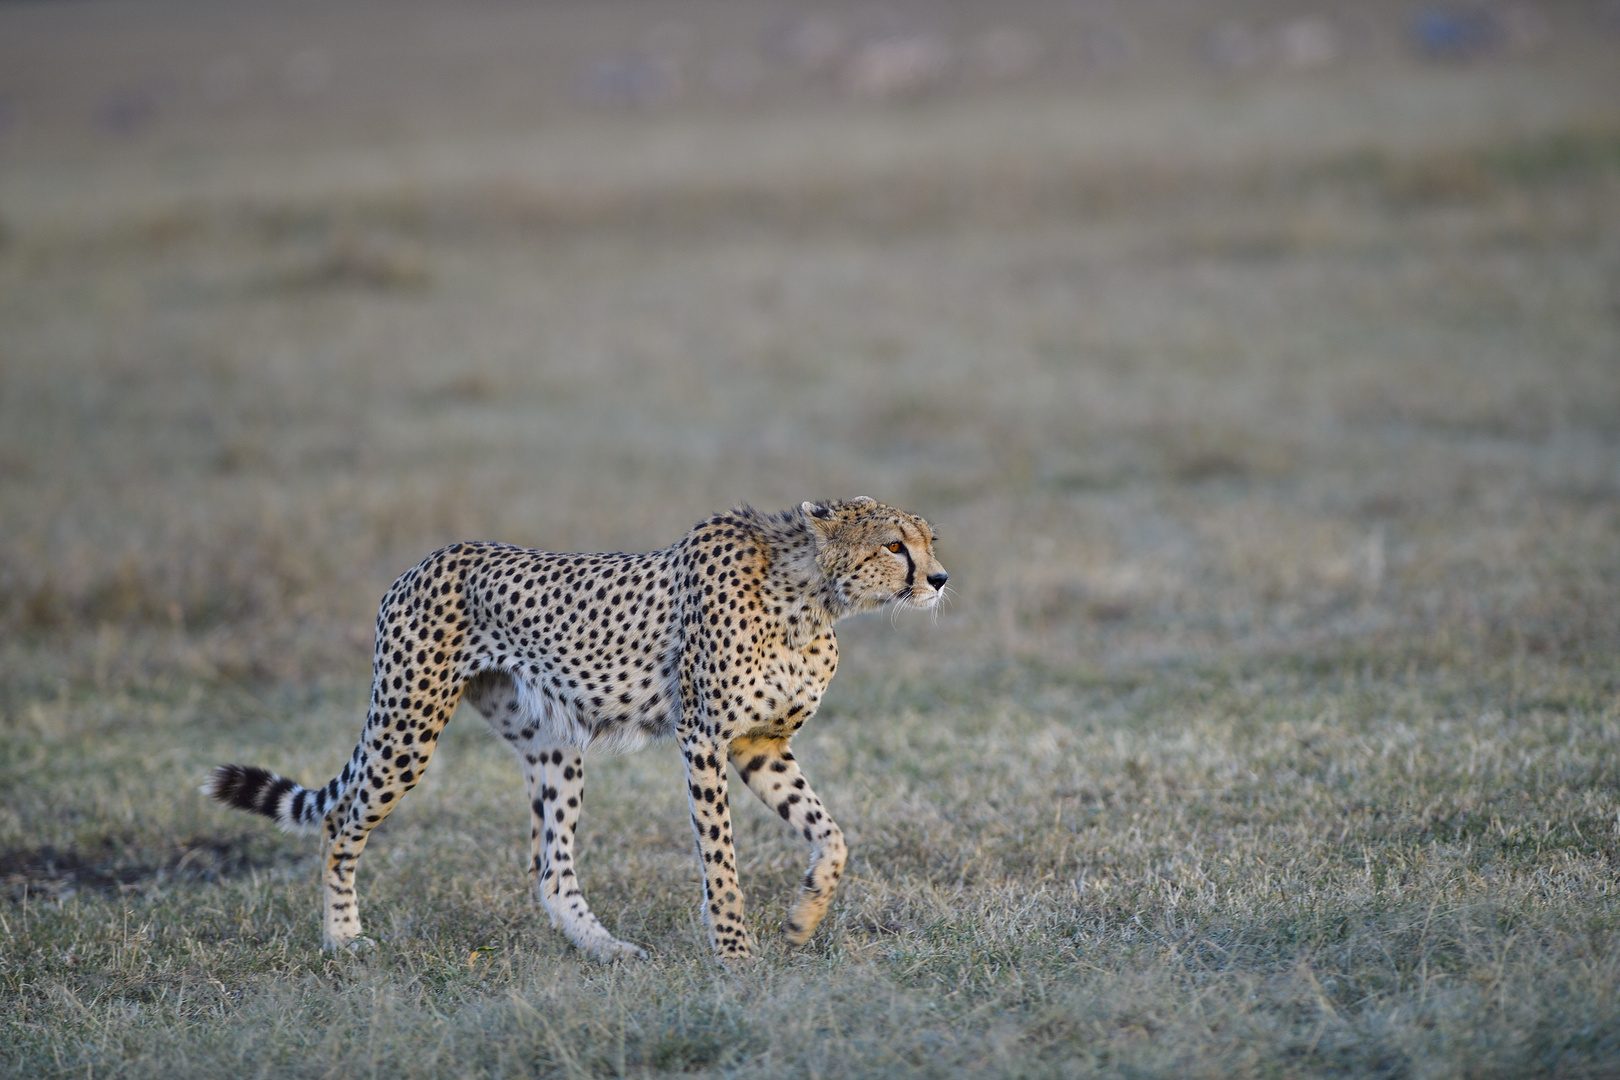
(894, 547)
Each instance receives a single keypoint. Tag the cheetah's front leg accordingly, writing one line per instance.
(768, 767)
(711, 821)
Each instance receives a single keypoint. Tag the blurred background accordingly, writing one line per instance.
(1223, 330)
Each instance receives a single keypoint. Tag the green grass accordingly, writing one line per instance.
(1213, 872)
(1275, 730)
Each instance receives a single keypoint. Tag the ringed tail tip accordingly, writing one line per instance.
(246, 787)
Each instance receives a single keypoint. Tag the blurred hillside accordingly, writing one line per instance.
(110, 106)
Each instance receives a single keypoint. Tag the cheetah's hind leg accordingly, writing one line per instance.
(554, 774)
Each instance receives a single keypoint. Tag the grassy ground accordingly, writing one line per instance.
(1271, 421)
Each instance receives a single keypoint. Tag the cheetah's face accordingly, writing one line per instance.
(876, 555)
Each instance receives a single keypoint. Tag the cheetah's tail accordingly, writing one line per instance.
(289, 805)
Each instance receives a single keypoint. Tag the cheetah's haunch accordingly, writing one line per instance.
(723, 641)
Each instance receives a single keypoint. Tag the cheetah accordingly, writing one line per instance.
(722, 642)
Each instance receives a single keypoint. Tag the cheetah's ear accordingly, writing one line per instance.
(821, 519)
(864, 499)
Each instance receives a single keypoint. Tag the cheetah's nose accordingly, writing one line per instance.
(938, 580)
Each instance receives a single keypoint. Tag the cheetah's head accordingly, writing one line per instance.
(873, 555)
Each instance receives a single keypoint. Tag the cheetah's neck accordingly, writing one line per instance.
(794, 576)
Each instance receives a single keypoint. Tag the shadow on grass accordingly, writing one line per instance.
(112, 865)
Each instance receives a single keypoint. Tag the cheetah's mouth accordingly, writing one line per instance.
(907, 598)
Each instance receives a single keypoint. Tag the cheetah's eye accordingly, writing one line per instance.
(894, 547)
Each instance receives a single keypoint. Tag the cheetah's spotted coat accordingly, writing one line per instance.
(723, 641)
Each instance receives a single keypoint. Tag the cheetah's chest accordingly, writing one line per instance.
(789, 686)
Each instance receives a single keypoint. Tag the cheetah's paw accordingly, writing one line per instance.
(355, 946)
(613, 950)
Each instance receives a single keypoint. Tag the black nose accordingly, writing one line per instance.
(938, 580)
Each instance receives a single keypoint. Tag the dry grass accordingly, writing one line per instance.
(1276, 728)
